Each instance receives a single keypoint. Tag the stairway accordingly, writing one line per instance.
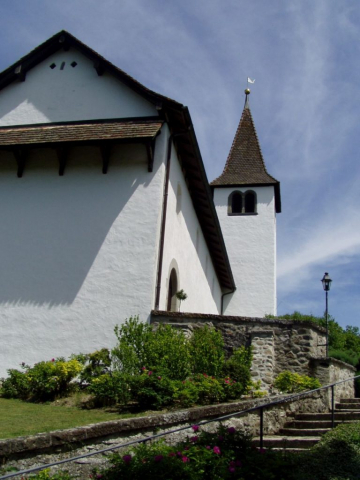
(305, 430)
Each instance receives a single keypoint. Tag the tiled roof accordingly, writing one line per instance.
(121, 130)
(245, 164)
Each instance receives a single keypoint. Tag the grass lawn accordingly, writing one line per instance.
(19, 418)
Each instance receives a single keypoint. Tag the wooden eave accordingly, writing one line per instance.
(64, 136)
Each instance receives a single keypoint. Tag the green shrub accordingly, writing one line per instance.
(16, 385)
(207, 351)
(336, 456)
(168, 351)
(152, 391)
(238, 366)
(110, 389)
(347, 356)
(44, 381)
(291, 382)
(129, 356)
(94, 364)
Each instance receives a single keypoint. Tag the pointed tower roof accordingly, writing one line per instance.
(245, 164)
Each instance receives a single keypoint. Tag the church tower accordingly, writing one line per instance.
(247, 199)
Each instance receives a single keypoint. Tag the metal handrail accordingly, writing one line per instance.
(218, 419)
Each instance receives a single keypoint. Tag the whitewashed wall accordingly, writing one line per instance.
(78, 252)
(251, 244)
(55, 95)
(186, 248)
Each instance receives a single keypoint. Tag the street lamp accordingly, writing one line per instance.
(326, 283)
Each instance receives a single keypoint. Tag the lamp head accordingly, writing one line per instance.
(326, 282)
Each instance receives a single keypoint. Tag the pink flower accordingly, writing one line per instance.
(158, 458)
(194, 439)
(143, 368)
(231, 430)
(185, 459)
(195, 428)
(179, 454)
(208, 447)
(159, 378)
(216, 450)
(232, 469)
(98, 475)
(53, 359)
(172, 454)
(150, 373)
(127, 458)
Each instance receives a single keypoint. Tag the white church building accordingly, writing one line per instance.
(106, 210)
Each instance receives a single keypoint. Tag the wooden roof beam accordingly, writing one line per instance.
(61, 153)
(20, 156)
(20, 73)
(150, 148)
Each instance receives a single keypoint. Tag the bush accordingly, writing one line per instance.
(94, 364)
(44, 381)
(168, 351)
(336, 456)
(223, 454)
(347, 356)
(291, 382)
(152, 391)
(110, 389)
(207, 351)
(129, 356)
(238, 366)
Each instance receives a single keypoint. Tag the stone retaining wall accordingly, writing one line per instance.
(331, 370)
(36, 450)
(278, 344)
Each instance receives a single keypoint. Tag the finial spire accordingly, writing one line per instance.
(247, 93)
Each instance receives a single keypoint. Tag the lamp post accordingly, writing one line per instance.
(326, 283)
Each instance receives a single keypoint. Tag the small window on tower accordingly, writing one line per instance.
(236, 203)
(242, 203)
(250, 202)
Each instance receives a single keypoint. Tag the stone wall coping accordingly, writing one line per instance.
(333, 361)
(58, 438)
(183, 317)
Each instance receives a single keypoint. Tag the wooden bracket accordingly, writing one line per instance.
(20, 156)
(105, 151)
(150, 148)
(99, 67)
(20, 73)
(61, 153)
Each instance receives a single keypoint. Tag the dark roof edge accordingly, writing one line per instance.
(59, 41)
(210, 199)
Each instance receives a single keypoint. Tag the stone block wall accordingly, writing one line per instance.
(331, 370)
(278, 344)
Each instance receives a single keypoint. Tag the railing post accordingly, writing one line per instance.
(332, 406)
(261, 427)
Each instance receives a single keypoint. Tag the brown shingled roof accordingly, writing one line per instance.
(121, 130)
(245, 164)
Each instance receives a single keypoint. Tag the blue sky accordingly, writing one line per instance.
(304, 56)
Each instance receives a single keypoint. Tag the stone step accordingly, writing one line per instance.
(322, 424)
(303, 432)
(273, 441)
(350, 400)
(348, 406)
(339, 415)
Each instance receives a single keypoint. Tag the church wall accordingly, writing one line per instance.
(79, 252)
(251, 245)
(186, 250)
(70, 94)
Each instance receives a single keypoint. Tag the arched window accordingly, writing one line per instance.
(242, 203)
(236, 202)
(250, 202)
(173, 288)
